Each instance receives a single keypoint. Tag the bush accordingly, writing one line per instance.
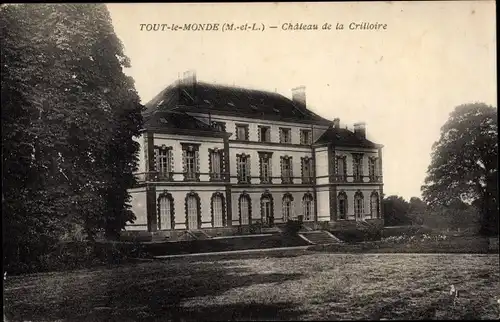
(359, 235)
(292, 227)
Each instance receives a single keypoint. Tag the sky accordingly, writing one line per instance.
(402, 81)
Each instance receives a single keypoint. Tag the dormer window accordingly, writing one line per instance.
(219, 126)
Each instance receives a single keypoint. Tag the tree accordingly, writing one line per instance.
(395, 211)
(464, 164)
(68, 117)
(417, 205)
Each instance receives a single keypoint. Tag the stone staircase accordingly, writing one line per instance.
(199, 234)
(319, 237)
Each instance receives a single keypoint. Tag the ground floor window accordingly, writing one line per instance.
(192, 211)
(342, 205)
(218, 210)
(245, 212)
(307, 204)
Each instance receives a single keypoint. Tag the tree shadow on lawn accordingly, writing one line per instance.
(147, 292)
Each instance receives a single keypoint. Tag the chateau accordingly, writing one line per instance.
(219, 159)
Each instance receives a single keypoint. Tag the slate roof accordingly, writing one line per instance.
(230, 100)
(344, 137)
(176, 120)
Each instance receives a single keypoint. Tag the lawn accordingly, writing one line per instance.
(319, 286)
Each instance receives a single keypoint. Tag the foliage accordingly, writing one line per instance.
(68, 117)
(292, 227)
(395, 211)
(464, 164)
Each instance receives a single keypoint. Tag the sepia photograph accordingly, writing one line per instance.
(250, 161)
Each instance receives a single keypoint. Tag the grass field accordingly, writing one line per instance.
(320, 286)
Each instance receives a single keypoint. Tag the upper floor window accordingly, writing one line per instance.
(243, 168)
(373, 169)
(191, 159)
(307, 170)
(341, 169)
(216, 162)
(264, 133)
(285, 135)
(286, 169)
(265, 159)
(164, 162)
(242, 132)
(219, 126)
(357, 165)
(305, 137)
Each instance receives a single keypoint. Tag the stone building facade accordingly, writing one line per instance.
(220, 158)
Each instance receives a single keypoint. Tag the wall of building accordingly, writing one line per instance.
(253, 127)
(347, 152)
(277, 196)
(366, 190)
(179, 194)
(295, 152)
(138, 203)
(174, 141)
(323, 196)
(321, 155)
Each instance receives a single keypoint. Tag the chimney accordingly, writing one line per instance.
(189, 79)
(336, 123)
(299, 95)
(360, 129)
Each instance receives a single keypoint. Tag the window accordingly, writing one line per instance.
(307, 170)
(245, 211)
(217, 210)
(164, 162)
(341, 168)
(358, 205)
(264, 134)
(266, 204)
(357, 164)
(242, 132)
(165, 212)
(191, 162)
(374, 205)
(219, 126)
(285, 135)
(215, 164)
(243, 168)
(286, 169)
(305, 137)
(373, 169)
(307, 205)
(342, 205)
(265, 167)
(287, 207)
(192, 211)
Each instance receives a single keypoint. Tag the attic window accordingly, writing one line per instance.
(159, 103)
(206, 101)
(230, 104)
(163, 120)
(276, 110)
(253, 107)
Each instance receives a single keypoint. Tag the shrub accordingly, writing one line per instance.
(292, 227)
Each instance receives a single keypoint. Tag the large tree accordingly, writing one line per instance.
(464, 164)
(68, 117)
